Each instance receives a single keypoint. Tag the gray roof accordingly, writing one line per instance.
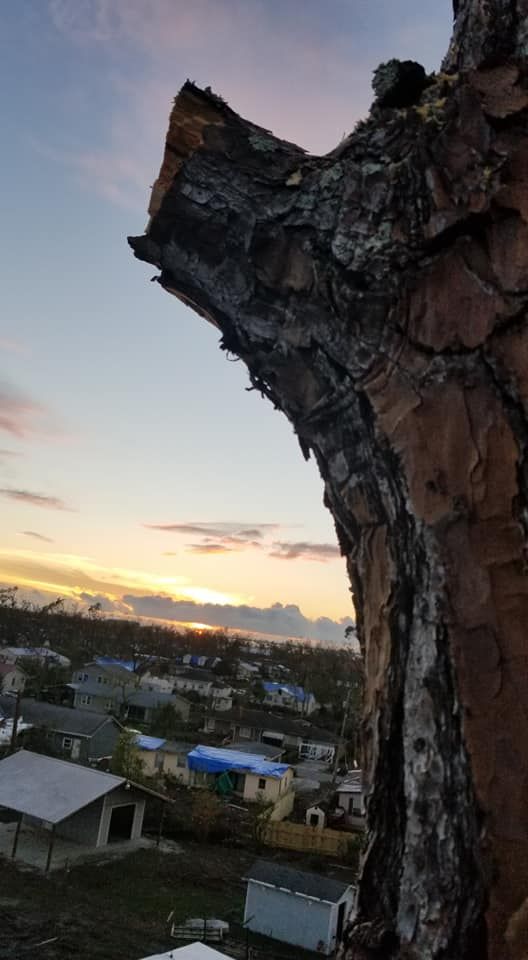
(291, 726)
(83, 723)
(50, 789)
(153, 698)
(297, 881)
(254, 746)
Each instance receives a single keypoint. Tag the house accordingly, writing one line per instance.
(77, 734)
(303, 909)
(70, 802)
(102, 687)
(191, 951)
(43, 654)
(290, 696)
(12, 678)
(113, 688)
(351, 800)
(160, 756)
(263, 750)
(309, 741)
(205, 684)
(247, 671)
(141, 706)
(250, 777)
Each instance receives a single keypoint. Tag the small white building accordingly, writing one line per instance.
(304, 909)
(352, 801)
(315, 817)
(12, 678)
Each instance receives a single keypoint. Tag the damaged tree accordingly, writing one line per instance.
(377, 296)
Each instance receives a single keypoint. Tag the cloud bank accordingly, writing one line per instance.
(283, 620)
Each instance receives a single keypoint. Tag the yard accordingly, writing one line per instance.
(118, 909)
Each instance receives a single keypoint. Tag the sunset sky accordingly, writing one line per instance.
(135, 469)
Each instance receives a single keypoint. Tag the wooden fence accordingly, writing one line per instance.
(299, 836)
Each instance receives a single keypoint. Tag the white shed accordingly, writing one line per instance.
(191, 951)
(304, 909)
(315, 817)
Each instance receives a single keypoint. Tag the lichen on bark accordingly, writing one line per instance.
(377, 296)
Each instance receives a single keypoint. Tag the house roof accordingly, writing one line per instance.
(50, 789)
(297, 881)
(290, 726)
(256, 748)
(149, 743)
(153, 698)
(83, 723)
(196, 673)
(272, 686)
(219, 760)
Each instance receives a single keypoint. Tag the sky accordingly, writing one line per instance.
(135, 468)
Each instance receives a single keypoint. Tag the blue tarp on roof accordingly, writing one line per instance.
(216, 760)
(149, 743)
(296, 692)
(115, 662)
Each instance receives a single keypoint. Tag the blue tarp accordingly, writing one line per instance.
(297, 692)
(216, 760)
(115, 662)
(149, 743)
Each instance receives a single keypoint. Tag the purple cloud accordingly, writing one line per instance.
(35, 499)
(322, 552)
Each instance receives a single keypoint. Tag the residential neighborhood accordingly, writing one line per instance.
(117, 755)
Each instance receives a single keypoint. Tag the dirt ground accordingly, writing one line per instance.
(118, 909)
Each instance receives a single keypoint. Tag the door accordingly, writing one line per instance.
(121, 823)
(340, 921)
(76, 749)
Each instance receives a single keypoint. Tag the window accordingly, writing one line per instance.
(99, 679)
(181, 760)
(262, 783)
(79, 677)
(108, 704)
(67, 743)
(244, 733)
(85, 677)
(85, 700)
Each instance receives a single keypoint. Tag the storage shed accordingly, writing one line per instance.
(70, 802)
(303, 909)
(191, 951)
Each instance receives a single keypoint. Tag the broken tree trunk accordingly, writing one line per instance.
(378, 297)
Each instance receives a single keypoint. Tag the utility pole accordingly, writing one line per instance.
(342, 733)
(16, 717)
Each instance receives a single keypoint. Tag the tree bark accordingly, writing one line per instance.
(377, 296)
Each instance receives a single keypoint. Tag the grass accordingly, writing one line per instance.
(116, 910)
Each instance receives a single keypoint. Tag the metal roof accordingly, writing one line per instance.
(50, 789)
(297, 881)
(191, 951)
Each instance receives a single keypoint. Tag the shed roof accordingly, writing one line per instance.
(297, 881)
(191, 951)
(50, 789)
(218, 760)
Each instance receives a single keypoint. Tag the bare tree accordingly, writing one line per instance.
(377, 296)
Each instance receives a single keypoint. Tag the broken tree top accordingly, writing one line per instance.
(378, 296)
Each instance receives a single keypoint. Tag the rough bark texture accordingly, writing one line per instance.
(378, 297)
